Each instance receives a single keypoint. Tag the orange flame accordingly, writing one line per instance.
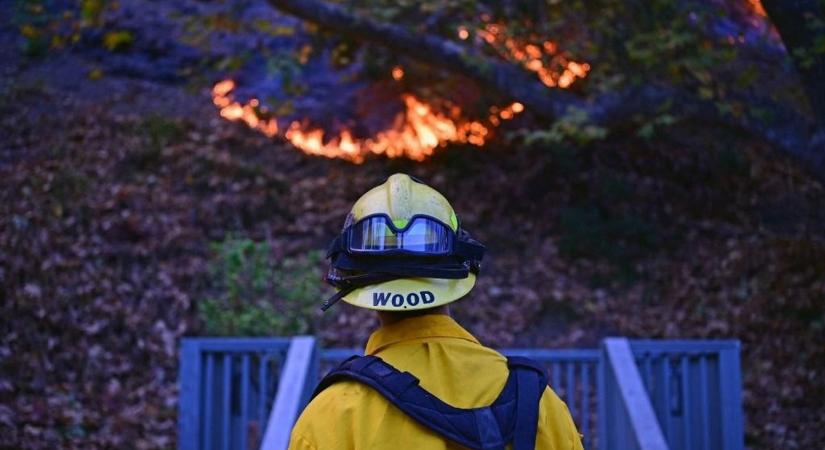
(415, 133)
(235, 111)
(757, 8)
(418, 130)
(397, 73)
(532, 57)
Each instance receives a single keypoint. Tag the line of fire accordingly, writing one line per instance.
(419, 128)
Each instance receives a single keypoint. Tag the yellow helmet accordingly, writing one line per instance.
(402, 249)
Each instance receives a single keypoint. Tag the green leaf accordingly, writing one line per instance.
(118, 40)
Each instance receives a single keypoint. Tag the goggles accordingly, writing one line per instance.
(398, 249)
(379, 235)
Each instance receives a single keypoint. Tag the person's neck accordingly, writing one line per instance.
(391, 317)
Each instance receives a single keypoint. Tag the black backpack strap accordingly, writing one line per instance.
(530, 383)
(487, 428)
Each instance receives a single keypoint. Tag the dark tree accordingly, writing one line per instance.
(801, 23)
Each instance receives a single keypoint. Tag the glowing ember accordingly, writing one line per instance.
(533, 57)
(235, 111)
(415, 133)
(757, 8)
(397, 73)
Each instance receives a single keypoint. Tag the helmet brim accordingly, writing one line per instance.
(410, 294)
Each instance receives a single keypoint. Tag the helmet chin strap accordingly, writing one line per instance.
(349, 284)
(334, 299)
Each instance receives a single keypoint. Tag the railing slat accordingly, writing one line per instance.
(685, 394)
(621, 364)
(189, 422)
(245, 374)
(648, 373)
(226, 410)
(209, 401)
(704, 411)
(556, 376)
(665, 396)
(293, 392)
(263, 387)
(733, 434)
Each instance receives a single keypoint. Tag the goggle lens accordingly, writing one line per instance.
(422, 235)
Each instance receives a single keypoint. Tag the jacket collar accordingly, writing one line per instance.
(428, 326)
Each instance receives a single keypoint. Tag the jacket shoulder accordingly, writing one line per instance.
(338, 399)
(331, 418)
(556, 427)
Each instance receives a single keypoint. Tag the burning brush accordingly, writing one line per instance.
(415, 133)
(419, 128)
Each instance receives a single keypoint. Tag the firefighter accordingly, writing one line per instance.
(424, 382)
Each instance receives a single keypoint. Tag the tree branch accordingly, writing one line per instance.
(788, 131)
(505, 78)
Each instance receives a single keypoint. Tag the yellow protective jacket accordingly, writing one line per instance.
(450, 363)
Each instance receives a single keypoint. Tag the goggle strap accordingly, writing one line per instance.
(406, 269)
(335, 246)
(469, 250)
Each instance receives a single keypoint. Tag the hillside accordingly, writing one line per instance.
(114, 190)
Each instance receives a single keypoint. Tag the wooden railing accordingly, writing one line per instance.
(629, 394)
(627, 417)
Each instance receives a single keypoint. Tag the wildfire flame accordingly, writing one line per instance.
(532, 56)
(419, 129)
(757, 8)
(415, 133)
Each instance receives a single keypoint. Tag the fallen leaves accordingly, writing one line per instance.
(104, 250)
